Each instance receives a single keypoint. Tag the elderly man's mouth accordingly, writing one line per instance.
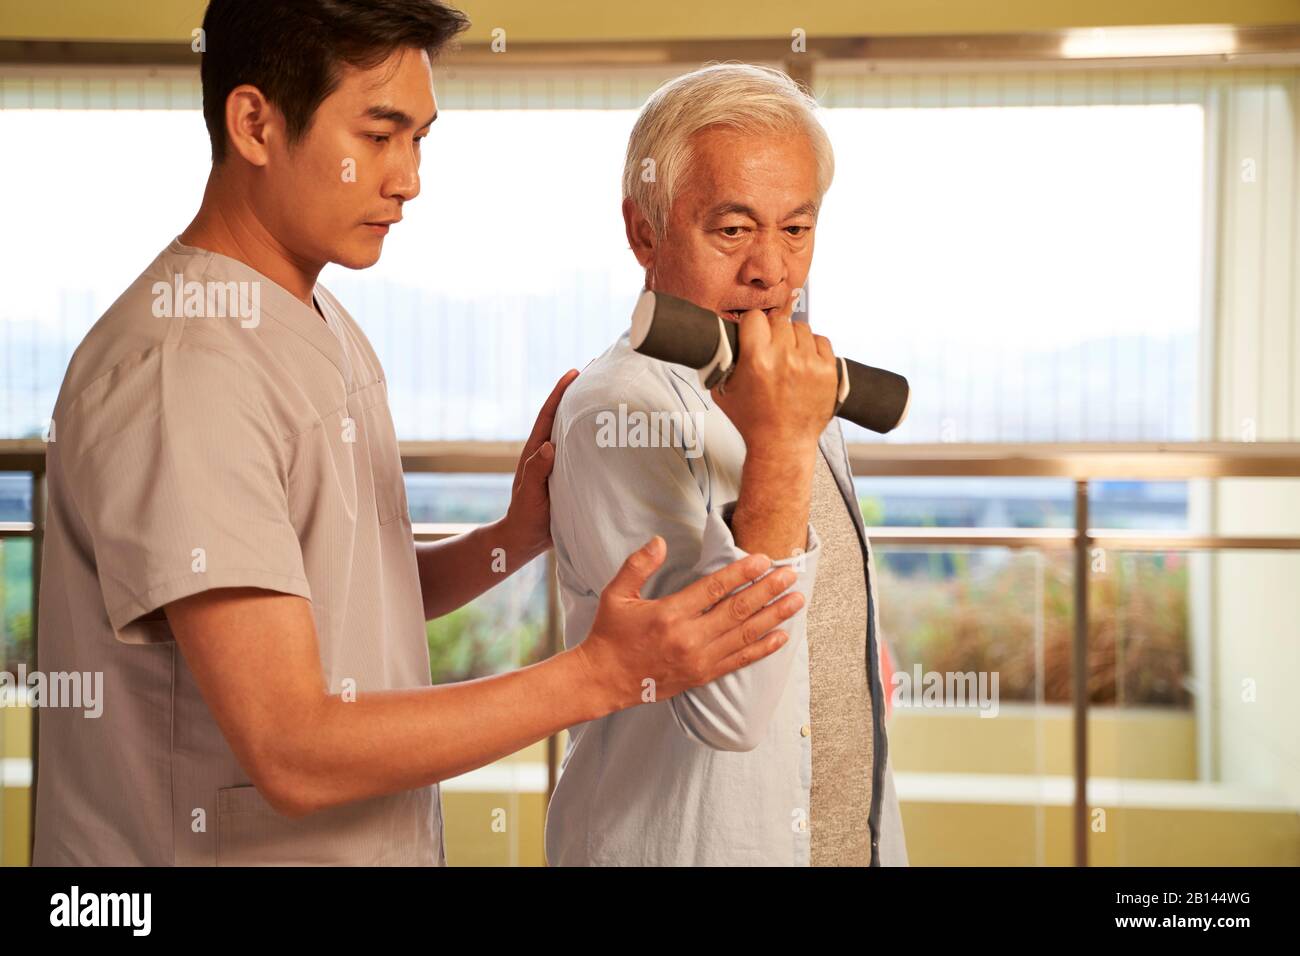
(737, 313)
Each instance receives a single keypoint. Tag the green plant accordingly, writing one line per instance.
(989, 621)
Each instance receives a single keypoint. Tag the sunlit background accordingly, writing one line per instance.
(1073, 262)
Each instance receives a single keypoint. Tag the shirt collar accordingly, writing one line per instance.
(279, 303)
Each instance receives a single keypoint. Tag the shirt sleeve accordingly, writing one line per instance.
(611, 501)
(181, 481)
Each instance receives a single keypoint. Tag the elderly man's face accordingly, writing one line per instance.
(740, 232)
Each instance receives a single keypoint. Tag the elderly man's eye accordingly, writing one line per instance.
(731, 232)
(796, 231)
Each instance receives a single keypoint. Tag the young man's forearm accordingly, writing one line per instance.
(456, 570)
(771, 514)
(388, 741)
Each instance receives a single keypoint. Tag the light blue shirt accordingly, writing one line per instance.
(718, 775)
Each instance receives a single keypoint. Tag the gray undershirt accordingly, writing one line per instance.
(840, 698)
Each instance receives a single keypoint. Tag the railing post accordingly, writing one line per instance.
(38, 549)
(1080, 672)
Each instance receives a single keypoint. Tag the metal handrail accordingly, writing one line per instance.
(1073, 460)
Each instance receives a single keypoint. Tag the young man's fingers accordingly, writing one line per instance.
(546, 417)
(699, 596)
(741, 606)
(746, 654)
(756, 625)
(636, 570)
(538, 468)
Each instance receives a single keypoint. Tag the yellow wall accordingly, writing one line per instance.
(571, 20)
(977, 834)
(1128, 746)
(15, 807)
(1131, 743)
(473, 839)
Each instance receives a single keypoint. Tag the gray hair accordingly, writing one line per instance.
(737, 96)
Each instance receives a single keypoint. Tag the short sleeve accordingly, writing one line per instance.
(181, 480)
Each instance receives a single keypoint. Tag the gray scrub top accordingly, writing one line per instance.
(234, 446)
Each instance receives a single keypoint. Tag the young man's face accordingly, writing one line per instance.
(740, 232)
(335, 193)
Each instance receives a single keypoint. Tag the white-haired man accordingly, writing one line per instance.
(785, 763)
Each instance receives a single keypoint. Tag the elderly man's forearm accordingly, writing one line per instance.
(771, 514)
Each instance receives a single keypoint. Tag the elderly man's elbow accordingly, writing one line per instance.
(743, 742)
(732, 735)
(732, 743)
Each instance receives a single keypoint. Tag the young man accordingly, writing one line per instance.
(228, 540)
(785, 762)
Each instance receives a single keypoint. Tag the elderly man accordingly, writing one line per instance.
(784, 763)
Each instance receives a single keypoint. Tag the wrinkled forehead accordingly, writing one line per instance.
(769, 173)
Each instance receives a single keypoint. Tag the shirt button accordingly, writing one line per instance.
(803, 824)
(805, 730)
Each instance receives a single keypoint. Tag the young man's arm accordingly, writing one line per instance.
(255, 657)
(456, 570)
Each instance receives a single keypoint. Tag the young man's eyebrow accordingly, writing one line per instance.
(390, 114)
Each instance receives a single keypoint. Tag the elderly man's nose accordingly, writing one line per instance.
(764, 266)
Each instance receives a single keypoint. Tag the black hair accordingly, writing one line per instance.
(293, 50)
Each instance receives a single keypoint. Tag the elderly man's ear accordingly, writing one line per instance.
(640, 234)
